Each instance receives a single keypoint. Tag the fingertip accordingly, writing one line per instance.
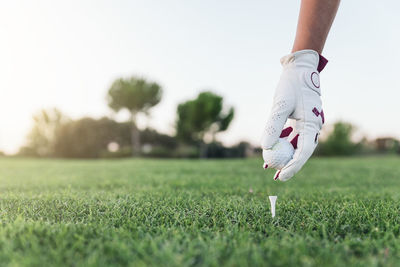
(285, 177)
(287, 173)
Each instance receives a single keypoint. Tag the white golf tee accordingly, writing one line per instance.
(272, 199)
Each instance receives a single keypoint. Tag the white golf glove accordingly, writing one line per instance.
(297, 103)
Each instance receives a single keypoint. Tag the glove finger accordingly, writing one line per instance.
(294, 144)
(284, 134)
(274, 127)
(305, 147)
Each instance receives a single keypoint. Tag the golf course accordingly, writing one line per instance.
(138, 212)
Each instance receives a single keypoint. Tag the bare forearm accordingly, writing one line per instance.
(315, 20)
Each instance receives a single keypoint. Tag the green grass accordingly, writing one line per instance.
(340, 211)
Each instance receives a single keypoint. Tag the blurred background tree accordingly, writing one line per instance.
(339, 142)
(202, 117)
(136, 95)
(387, 145)
(40, 140)
(90, 138)
(157, 144)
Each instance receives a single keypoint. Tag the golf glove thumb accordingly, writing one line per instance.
(297, 103)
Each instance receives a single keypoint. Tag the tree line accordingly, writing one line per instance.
(198, 121)
(197, 124)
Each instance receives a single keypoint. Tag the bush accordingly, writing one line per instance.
(89, 138)
(339, 141)
(217, 150)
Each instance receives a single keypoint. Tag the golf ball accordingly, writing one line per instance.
(279, 155)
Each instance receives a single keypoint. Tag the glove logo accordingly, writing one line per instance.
(315, 79)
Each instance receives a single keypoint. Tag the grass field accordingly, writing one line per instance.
(343, 211)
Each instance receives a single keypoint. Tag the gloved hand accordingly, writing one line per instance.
(297, 103)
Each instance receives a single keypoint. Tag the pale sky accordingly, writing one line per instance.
(66, 54)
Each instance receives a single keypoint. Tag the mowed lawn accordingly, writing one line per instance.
(337, 211)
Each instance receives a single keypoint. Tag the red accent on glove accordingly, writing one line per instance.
(322, 63)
